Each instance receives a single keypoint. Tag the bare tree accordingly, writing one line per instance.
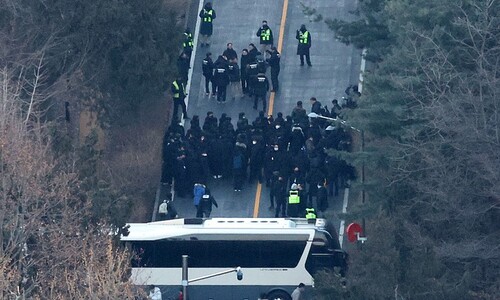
(49, 249)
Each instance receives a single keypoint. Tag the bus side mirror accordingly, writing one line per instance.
(239, 273)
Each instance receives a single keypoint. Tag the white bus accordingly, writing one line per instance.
(275, 254)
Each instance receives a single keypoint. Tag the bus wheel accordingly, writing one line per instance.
(279, 295)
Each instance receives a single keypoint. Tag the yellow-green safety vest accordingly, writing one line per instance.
(177, 94)
(310, 214)
(303, 37)
(188, 42)
(265, 35)
(205, 18)
(294, 197)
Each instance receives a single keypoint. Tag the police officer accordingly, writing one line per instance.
(207, 15)
(266, 37)
(252, 70)
(261, 64)
(304, 38)
(274, 63)
(310, 213)
(322, 197)
(279, 193)
(221, 78)
(179, 93)
(183, 66)
(233, 72)
(187, 44)
(257, 155)
(208, 73)
(206, 203)
(293, 201)
(244, 61)
(261, 87)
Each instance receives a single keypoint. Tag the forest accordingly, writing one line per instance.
(430, 109)
(61, 195)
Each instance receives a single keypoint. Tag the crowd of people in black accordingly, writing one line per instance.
(248, 78)
(245, 75)
(287, 153)
(283, 152)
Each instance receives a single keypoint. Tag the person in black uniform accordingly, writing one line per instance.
(206, 203)
(244, 61)
(221, 78)
(210, 124)
(208, 73)
(261, 88)
(169, 151)
(322, 197)
(252, 71)
(257, 155)
(183, 66)
(234, 79)
(274, 63)
(279, 193)
(239, 165)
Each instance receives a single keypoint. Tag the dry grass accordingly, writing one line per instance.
(133, 160)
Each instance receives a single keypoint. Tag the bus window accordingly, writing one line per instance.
(214, 254)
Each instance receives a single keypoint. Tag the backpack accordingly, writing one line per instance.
(198, 191)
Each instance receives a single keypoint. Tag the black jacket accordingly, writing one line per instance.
(316, 107)
(206, 203)
(221, 76)
(230, 54)
(278, 187)
(183, 64)
(252, 54)
(233, 72)
(261, 85)
(244, 61)
(208, 67)
(274, 60)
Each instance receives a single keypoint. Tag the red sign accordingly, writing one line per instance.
(353, 231)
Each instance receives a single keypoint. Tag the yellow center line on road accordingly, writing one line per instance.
(257, 200)
(271, 99)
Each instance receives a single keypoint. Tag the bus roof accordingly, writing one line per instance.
(178, 227)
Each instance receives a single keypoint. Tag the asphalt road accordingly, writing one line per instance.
(335, 66)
